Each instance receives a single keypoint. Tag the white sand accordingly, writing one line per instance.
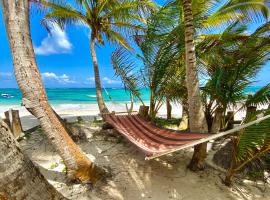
(133, 178)
(88, 112)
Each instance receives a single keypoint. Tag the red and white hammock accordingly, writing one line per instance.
(155, 141)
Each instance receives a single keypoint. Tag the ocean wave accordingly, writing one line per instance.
(92, 96)
(8, 96)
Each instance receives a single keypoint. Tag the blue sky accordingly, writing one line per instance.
(64, 58)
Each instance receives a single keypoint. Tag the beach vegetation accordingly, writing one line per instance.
(170, 66)
(35, 100)
(31, 182)
(249, 145)
(108, 21)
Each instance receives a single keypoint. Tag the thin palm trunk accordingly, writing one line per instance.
(216, 124)
(169, 108)
(197, 118)
(184, 125)
(16, 14)
(31, 183)
(152, 103)
(102, 107)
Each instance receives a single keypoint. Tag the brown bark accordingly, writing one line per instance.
(197, 120)
(169, 108)
(184, 120)
(143, 112)
(152, 104)
(14, 122)
(216, 124)
(31, 184)
(230, 120)
(102, 107)
(16, 15)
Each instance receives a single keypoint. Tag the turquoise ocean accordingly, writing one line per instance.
(59, 96)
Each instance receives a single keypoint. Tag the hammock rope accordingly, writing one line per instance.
(115, 104)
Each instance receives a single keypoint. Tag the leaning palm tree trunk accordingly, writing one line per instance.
(31, 183)
(16, 14)
(197, 119)
(102, 107)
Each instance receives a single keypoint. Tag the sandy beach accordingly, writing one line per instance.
(89, 112)
(130, 176)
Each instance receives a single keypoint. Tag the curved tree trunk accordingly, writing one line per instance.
(102, 107)
(16, 14)
(197, 118)
(31, 184)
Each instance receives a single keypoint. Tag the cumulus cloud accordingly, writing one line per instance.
(5, 74)
(110, 81)
(55, 43)
(91, 79)
(63, 79)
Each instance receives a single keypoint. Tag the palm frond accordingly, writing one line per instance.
(124, 66)
(260, 98)
(253, 141)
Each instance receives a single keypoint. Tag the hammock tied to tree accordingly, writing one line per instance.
(155, 141)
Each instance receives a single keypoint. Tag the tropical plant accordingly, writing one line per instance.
(31, 182)
(204, 16)
(16, 15)
(197, 120)
(156, 66)
(240, 57)
(249, 145)
(108, 20)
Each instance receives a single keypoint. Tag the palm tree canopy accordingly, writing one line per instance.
(110, 19)
(240, 57)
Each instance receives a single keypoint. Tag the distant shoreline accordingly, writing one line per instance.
(58, 96)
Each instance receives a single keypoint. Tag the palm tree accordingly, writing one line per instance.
(112, 19)
(14, 164)
(16, 15)
(197, 120)
(240, 56)
(249, 145)
(228, 13)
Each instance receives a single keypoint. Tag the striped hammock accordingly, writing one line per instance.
(149, 138)
(155, 141)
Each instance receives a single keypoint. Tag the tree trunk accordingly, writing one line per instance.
(152, 105)
(184, 121)
(143, 112)
(169, 108)
(14, 122)
(16, 14)
(102, 107)
(216, 124)
(197, 118)
(20, 179)
(229, 120)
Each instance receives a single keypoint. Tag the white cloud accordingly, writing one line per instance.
(91, 79)
(55, 43)
(63, 79)
(5, 74)
(110, 81)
